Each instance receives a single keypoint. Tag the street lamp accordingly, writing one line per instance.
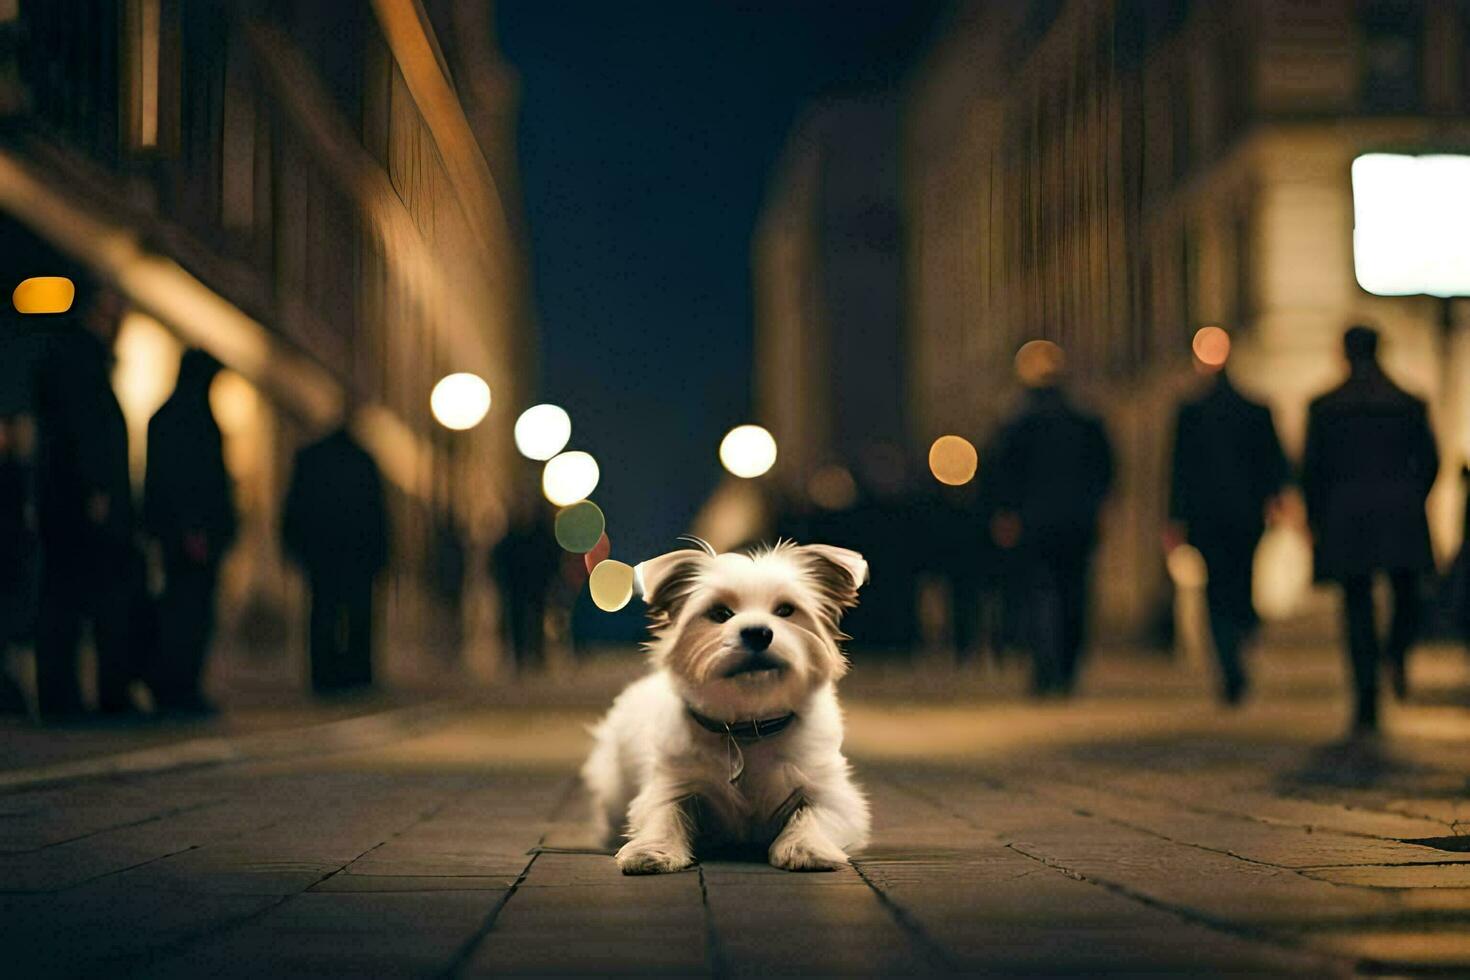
(460, 401)
(748, 451)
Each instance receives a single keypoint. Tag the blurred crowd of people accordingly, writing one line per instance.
(141, 581)
(1012, 549)
(1015, 547)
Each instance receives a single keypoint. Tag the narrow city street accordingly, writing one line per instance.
(1120, 833)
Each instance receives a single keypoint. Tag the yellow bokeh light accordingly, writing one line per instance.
(1211, 347)
(611, 585)
(542, 431)
(1039, 363)
(460, 401)
(748, 451)
(953, 460)
(44, 294)
(569, 477)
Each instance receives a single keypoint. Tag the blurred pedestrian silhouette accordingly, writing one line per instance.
(1228, 468)
(1460, 574)
(84, 511)
(188, 507)
(525, 564)
(335, 526)
(887, 525)
(18, 545)
(1369, 463)
(1052, 467)
(958, 551)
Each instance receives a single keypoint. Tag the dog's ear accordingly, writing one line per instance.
(839, 572)
(665, 581)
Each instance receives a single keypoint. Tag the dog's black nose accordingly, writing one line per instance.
(756, 638)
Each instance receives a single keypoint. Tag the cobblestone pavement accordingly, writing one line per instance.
(1110, 835)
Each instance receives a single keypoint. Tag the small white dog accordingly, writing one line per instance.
(735, 739)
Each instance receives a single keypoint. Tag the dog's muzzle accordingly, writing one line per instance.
(755, 662)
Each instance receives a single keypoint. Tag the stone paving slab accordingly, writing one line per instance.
(439, 857)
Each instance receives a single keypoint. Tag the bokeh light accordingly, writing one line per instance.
(953, 460)
(600, 551)
(1211, 347)
(542, 431)
(748, 451)
(611, 585)
(44, 294)
(579, 527)
(460, 401)
(1039, 363)
(832, 488)
(569, 477)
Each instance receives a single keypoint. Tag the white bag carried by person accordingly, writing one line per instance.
(1282, 573)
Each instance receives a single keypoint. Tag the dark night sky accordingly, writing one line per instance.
(647, 133)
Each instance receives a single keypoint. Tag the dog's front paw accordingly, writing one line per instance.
(652, 858)
(800, 852)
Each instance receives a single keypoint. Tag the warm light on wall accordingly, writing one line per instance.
(44, 294)
(748, 451)
(143, 376)
(1411, 224)
(236, 405)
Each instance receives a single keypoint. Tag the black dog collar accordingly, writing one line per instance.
(741, 731)
(744, 731)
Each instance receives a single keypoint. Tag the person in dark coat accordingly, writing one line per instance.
(525, 564)
(1370, 461)
(335, 526)
(17, 544)
(1051, 469)
(84, 511)
(1228, 468)
(1460, 576)
(188, 507)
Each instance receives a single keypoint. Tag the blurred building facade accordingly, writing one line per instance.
(827, 261)
(323, 196)
(1114, 174)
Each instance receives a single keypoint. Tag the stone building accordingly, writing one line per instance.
(322, 195)
(1114, 174)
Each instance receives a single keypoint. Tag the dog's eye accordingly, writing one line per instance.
(784, 609)
(720, 613)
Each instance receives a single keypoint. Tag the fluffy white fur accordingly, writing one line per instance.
(652, 759)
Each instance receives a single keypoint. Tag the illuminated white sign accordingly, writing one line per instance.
(1411, 224)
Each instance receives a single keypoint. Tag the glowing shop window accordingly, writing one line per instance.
(1411, 227)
